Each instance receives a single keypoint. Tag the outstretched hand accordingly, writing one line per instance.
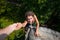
(37, 34)
(19, 25)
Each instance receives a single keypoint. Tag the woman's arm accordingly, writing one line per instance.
(37, 24)
(8, 30)
(24, 23)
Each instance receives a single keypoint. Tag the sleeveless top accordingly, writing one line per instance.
(28, 26)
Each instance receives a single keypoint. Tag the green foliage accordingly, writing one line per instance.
(12, 11)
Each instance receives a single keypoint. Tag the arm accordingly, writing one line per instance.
(24, 23)
(37, 24)
(8, 30)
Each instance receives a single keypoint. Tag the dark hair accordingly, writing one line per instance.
(29, 13)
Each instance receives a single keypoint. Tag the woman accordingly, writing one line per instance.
(29, 24)
(32, 28)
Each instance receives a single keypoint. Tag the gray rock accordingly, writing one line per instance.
(44, 34)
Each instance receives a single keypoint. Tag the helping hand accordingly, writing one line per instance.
(19, 25)
(37, 33)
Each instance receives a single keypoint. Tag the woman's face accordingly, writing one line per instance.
(30, 19)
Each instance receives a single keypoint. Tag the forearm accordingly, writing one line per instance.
(37, 23)
(24, 23)
(37, 26)
(8, 29)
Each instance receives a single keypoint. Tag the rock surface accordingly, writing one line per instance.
(45, 34)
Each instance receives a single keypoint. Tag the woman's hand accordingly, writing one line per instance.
(37, 33)
(19, 25)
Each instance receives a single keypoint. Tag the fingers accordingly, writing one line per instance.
(37, 34)
(16, 26)
(19, 25)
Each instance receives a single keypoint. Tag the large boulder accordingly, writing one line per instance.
(45, 34)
